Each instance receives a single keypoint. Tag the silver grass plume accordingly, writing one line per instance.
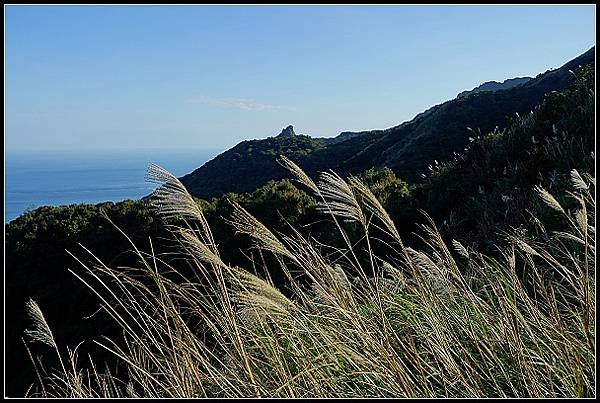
(548, 199)
(298, 173)
(460, 249)
(41, 331)
(171, 199)
(387, 285)
(398, 277)
(590, 179)
(334, 288)
(130, 390)
(246, 223)
(339, 198)
(423, 261)
(199, 249)
(256, 308)
(581, 219)
(578, 181)
(258, 298)
(340, 277)
(256, 285)
(434, 272)
(374, 205)
(322, 294)
(525, 247)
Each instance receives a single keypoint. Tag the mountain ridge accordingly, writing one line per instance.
(496, 85)
(407, 148)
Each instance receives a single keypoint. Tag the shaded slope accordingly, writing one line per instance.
(407, 148)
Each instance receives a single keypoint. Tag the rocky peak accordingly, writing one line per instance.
(287, 132)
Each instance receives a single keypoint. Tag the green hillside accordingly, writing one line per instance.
(407, 149)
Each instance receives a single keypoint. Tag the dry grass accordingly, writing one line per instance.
(428, 323)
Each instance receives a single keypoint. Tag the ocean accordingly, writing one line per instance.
(35, 179)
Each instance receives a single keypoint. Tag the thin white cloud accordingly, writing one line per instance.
(239, 103)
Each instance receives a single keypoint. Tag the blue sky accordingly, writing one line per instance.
(120, 77)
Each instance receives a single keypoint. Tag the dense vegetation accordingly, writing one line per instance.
(36, 266)
(409, 323)
(251, 163)
(483, 197)
(488, 188)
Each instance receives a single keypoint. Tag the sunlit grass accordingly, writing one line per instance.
(434, 321)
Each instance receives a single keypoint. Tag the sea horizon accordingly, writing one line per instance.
(36, 178)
